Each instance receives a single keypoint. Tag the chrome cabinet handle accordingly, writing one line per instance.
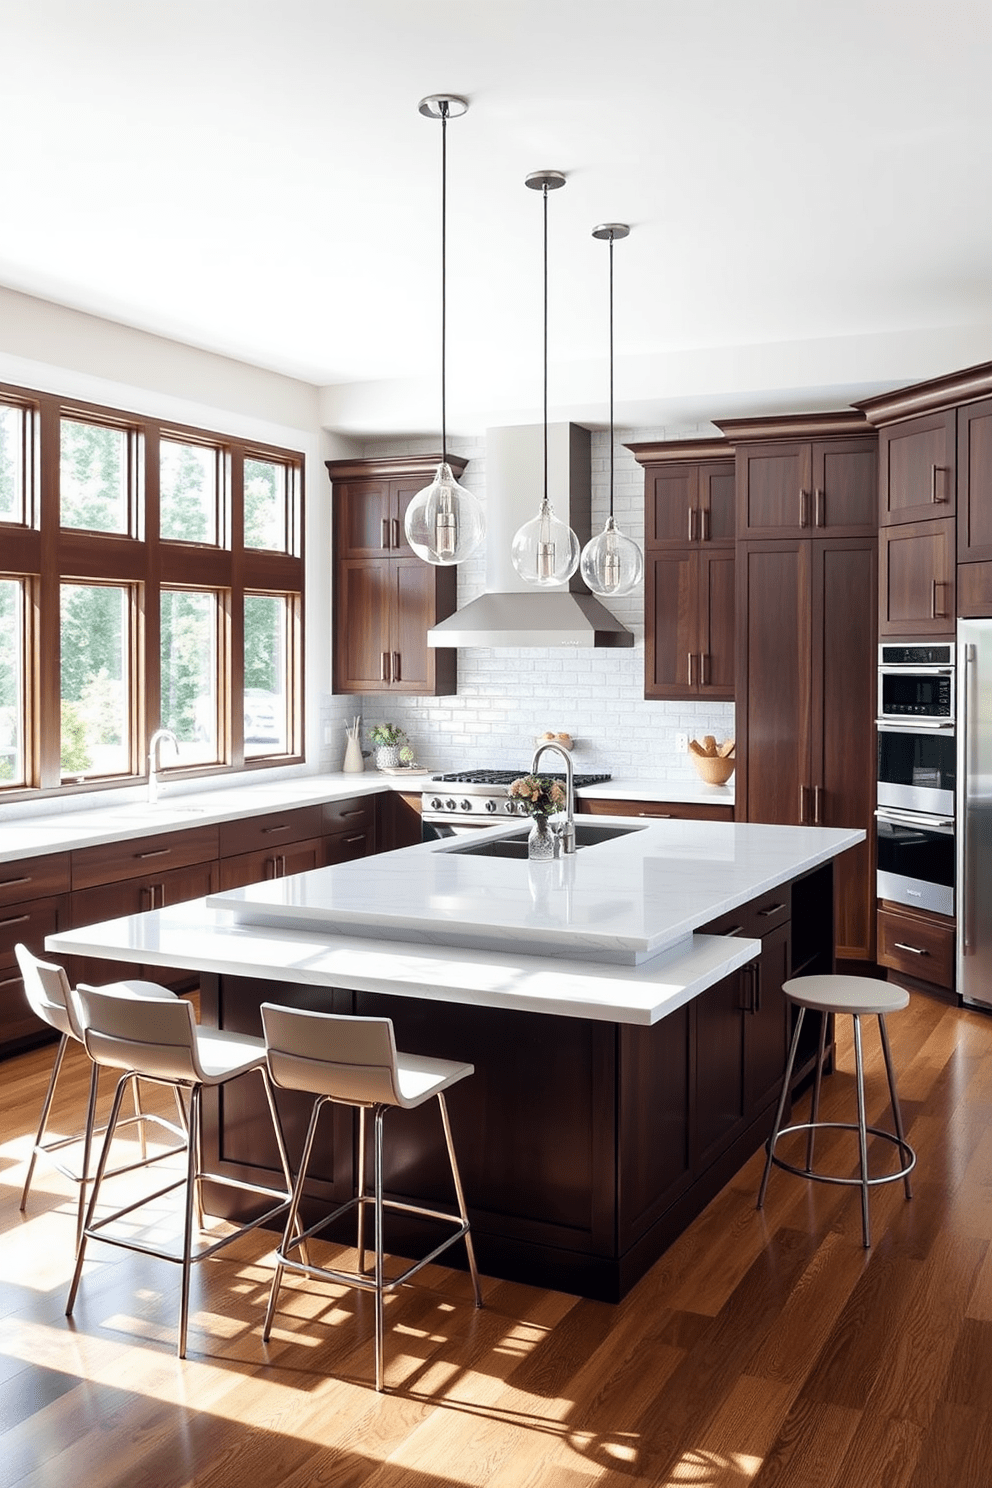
(282, 827)
(820, 508)
(15, 920)
(936, 500)
(396, 532)
(763, 914)
(689, 668)
(384, 539)
(802, 805)
(10, 883)
(159, 852)
(691, 537)
(804, 508)
(397, 675)
(901, 946)
(936, 614)
(817, 803)
(384, 667)
(656, 815)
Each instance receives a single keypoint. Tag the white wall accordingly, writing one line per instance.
(506, 697)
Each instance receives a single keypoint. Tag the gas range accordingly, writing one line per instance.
(480, 798)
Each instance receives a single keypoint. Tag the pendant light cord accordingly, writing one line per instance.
(545, 341)
(611, 375)
(444, 278)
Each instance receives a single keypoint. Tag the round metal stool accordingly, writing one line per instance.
(860, 997)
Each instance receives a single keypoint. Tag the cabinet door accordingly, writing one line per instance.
(671, 505)
(363, 513)
(361, 626)
(411, 666)
(28, 922)
(281, 862)
(718, 1105)
(766, 1023)
(717, 588)
(916, 579)
(774, 490)
(718, 502)
(671, 647)
(773, 696)
(845, 486)
(916, 462)
(843, 734)
(402, 493)
(345, 847)
(975, 482)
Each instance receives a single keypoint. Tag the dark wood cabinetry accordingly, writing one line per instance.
(385, 598)
(916, 944)
(974, 508)
(658, 810)
(801, 475)
(917, 579)
(33, 904)
(689, 604)
(806, 702)
(916, 462)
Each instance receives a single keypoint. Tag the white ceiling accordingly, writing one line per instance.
(807, 187)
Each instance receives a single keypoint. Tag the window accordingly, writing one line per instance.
(153, 576)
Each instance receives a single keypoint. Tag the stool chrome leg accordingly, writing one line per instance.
(360, 1188)
(817, 1082)
(43, 1123)
(380, 1112)
(193, 1169)
(460, 1196)
(87, 1148)
(101, 1169)
(780, 1111)
(896, 1109)
(862, 1131)
(291, 1217)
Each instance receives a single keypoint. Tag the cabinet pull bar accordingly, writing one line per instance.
(15, 920)
(689, 669)
(772, 909)
(384, 667)
(817, 802)
(10, 982)
(385, 533)
(359, 812)
(657, 815)
(396, 532)
(757, 986)
(935, 470)
(9, 883)
(804, 508)
(916, 950)
(734, 930)
(936, 614)
(282, 865)
(158, 852)
(690, 525)
(820, 510)
(283, 827)
(359, 838)
(802, 805)
(747, 991)
(397, 674)
(704, 528)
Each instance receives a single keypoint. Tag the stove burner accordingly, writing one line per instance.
(507, 777)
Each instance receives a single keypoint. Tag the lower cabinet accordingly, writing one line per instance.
(917, 945)
(33, 903)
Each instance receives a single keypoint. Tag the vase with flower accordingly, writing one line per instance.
(540, 797)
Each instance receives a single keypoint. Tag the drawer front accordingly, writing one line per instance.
(275, 862)
(658, 810)
(917, 946)
(28, 922)
(254, 833)
(354, 815)
(345, 847)
(112, 862)
(137, 895)
(735, 922)
(34, 878)
(770, 911)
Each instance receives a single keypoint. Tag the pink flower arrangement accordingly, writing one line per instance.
(541, 796)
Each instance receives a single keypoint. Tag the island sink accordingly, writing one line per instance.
(586, 835)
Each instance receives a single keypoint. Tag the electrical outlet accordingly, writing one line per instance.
(328, 734)
(682, 743)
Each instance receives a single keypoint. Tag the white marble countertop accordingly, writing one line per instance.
(623, 900)
(25, 832)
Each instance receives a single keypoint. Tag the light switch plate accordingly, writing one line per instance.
(682, 743)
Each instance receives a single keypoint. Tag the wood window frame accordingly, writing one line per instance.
(44, 554)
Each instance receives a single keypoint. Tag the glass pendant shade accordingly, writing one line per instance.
(612, 563)
(444, 523)
(545, 550)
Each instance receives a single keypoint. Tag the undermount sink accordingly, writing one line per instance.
(587, 834)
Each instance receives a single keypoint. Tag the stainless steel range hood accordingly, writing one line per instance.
(512, 612)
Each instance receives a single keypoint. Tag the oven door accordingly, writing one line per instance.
(915, 863)
(917, 768)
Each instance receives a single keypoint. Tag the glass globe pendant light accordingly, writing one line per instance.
(611, 563)
(444, 523)
(545, 550)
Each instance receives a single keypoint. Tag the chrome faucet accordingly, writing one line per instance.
(566, 834)
(155, 758)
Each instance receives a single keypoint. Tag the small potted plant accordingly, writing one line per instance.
(387, 739)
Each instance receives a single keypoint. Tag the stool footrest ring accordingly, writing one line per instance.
(906, 1153)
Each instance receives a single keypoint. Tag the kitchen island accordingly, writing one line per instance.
(622, 1008)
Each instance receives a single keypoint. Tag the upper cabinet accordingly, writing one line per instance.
(805, 475)
(689, 568)
(916, 463)
(975, 482)
(385, 598)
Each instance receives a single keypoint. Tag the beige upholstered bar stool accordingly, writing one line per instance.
(860, 997)
(159, 1041)
(46, 987)
(354, 1062)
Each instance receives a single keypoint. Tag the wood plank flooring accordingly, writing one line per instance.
(761, 1349)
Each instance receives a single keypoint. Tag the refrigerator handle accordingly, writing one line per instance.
(964, 877)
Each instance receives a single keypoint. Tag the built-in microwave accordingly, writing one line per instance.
(916, 683)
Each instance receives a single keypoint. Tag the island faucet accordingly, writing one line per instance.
(155, 759)
(566, 834)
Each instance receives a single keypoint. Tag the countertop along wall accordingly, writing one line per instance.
(507, 697)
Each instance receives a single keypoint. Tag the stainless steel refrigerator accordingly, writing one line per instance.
(974, 812)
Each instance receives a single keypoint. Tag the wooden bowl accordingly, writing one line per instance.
(713, 769)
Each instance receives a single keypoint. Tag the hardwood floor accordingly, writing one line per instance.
(762, 1348)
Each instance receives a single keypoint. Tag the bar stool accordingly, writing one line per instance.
(47, 989)
(158, 1040)
(353, 1061)
(860, 997)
